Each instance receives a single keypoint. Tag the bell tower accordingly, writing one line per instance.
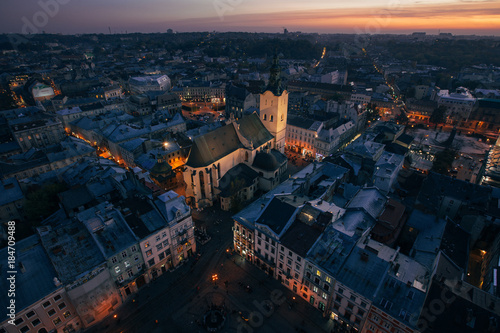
(274, 107)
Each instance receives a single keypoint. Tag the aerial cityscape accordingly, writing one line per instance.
(244, 166)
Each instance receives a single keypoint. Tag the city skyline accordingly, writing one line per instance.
(460, 17)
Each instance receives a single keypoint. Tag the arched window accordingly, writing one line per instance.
(202, 184)
(282, 117)
(246, 156)
(272, 118)
(265, 116)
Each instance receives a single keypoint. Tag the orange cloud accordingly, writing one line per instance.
(484, 15)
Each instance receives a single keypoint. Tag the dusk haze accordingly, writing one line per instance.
(378, 16)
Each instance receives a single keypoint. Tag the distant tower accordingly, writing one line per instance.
(274, 107)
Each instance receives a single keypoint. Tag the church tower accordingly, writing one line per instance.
(274, 107)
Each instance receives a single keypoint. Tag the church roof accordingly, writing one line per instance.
(237, 178)
(265, 161)
(214, 145)
(269, 161)
(252, 128)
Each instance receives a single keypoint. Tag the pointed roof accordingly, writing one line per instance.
(274, 84)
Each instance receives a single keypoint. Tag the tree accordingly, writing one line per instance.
(372, 113)
(443, 161)
(42, 202)
(438, 115)
(402, 118)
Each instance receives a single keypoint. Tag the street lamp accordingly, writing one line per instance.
(215, 278)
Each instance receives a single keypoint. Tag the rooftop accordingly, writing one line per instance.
(172, 207)
(276, 215)
(10, 191)
(141, 216)
(370, 199)
(305, 230)
(70, 247)
(240, 174)
(331, 249)
(108, 228)
(35, 274)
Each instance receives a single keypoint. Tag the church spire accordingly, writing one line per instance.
(275, 78)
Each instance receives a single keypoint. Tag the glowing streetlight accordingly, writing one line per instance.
(215, 278)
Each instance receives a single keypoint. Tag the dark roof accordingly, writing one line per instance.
(37, 279)
(265, 161)
(236, 92)
(93, 106)
(405, 138)
(252, 128)
(161, 168)
(239, 172)
(135, 208)
(489, 103)
(363, 271)
(395, 148)
(436, 186)
(460, 315)
(75, 198)
(276, 215)
(303, 233)
(9, 147)
(299, 122)
(455, 244)
(211, 147)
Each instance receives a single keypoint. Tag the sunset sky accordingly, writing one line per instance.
(332, 16)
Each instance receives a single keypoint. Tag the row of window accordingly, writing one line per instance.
(352, 297)
(130, 273)
(50, 313)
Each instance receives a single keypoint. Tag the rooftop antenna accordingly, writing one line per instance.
(109, 28)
